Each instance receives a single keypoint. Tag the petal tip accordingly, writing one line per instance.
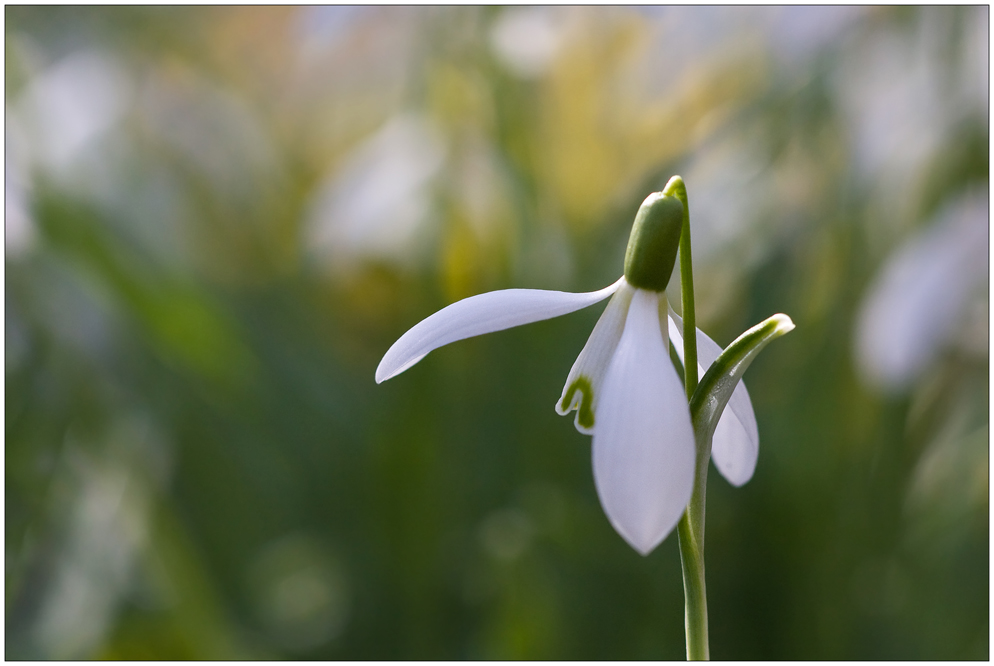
(642, 540)
(645, 548)
(390, 368)
(737, 480)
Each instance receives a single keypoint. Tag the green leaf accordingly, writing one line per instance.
(719, 381)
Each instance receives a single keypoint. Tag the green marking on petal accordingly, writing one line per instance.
(585, 412)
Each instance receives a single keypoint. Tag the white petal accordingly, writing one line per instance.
(583, 385)
(735, 446)
(643, 447)
(476, 315)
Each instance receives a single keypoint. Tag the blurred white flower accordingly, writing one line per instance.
(905, 94)
(374, 206)
(918, 299)
(106, 532)
(19, 229)
(71, 103)
(527, 39)
(894, 105)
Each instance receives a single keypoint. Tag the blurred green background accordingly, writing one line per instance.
(218, 219)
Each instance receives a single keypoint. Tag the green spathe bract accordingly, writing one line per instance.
(719, 381)
(654, 242)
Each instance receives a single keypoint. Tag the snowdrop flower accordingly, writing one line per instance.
(623, 386)
(916, 305)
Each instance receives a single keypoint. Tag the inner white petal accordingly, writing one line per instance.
(485, 313)
(583, 385)
(643, 447)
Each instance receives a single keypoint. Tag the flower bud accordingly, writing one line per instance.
(654, 241)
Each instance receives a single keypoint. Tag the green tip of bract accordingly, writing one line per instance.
(654, 241)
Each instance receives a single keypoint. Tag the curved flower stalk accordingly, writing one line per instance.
(623, 386)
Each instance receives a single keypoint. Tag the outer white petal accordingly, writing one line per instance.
(583, 385)
(643, 447)
(735, 446)
(476, 315)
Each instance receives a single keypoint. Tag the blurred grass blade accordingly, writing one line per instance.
(719, 381)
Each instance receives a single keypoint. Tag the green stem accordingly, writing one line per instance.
(676, 188)
(691, 533)
(694, 592)
(691, 526)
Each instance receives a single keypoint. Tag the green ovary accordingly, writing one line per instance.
(585, 412)
(654, 241)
